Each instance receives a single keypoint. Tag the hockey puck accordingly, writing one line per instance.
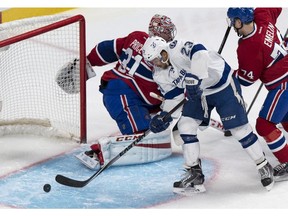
(47, 188)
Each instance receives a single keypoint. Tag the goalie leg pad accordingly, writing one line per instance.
(153, 147)
(90, 162)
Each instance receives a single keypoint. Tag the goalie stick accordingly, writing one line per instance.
(77, 183)
(213, 123)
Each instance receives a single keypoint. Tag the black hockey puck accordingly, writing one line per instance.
(47, 188)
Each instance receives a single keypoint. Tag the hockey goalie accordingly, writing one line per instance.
(152, 148)
(126, 91)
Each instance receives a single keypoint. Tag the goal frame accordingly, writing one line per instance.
(82, 49)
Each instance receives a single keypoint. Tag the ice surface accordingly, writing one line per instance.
(27, 162)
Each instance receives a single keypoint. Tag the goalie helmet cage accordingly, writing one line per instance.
(32, 50)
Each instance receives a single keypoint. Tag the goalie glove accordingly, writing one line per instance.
(68, 77)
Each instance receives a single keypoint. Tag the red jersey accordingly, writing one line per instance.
(131, 67)
(262, 54)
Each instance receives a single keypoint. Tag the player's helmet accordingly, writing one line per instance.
(246, 15)
(162, 26)
(153, 47)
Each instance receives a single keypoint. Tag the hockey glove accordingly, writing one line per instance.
(160, 123)
(68, 77)
(193, 90)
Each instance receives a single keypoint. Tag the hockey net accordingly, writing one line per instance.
(32, 50)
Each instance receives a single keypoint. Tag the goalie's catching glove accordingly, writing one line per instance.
(160, 123)
(68, 77)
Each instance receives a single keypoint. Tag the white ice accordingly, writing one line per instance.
(236, 184)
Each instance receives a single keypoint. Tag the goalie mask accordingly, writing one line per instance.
(162, 26)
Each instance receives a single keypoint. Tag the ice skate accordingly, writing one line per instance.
(191, 183)
(93, 159)
(281, 172)
(266, 172)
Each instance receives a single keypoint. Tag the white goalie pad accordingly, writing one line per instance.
(91, 163)
(153, 147)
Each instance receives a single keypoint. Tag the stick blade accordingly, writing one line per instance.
(70, 182)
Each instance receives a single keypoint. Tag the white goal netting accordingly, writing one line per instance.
(30, 99)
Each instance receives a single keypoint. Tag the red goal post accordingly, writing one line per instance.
(32, 51)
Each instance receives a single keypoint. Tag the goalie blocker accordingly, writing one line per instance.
(152, 148)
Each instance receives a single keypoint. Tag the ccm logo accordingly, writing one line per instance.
(124, 138)
(228, 118)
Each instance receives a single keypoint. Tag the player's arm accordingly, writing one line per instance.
(106, 52)
(250, 65)
(267, 15)
(172, 95)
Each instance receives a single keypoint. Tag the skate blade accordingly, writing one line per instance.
(270, 186)
(190, 191)
(87, 161)
(281, 178)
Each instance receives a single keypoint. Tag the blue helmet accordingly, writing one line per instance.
(246, 15)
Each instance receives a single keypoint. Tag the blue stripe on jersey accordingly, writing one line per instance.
(107, 51)
(173, 93)
(196, 48)
(223, 80)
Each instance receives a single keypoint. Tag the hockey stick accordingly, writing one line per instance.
(213, 123)
(76, 183)
(224, 39)
(226, 132)
(255, 97)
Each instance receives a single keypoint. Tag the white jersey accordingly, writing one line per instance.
(188, 57)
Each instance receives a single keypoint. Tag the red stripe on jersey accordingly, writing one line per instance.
(274, 104)
(129, 114)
